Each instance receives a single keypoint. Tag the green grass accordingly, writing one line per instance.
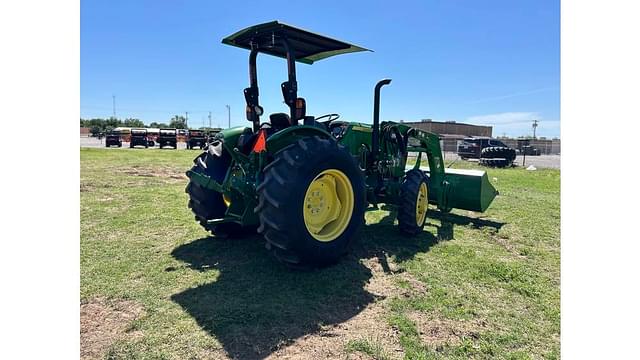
(493, 278)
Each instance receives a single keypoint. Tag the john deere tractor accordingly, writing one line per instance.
(305, 182)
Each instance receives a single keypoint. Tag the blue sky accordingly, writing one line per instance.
(484, 62)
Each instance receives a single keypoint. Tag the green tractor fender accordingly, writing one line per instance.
(292, 134)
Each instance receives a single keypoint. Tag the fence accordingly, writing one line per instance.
(546, 147)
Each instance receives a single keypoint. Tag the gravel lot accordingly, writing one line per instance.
(542, 161)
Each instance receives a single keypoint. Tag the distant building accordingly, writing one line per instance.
(451, 128)
(450, 131)
(85, 131)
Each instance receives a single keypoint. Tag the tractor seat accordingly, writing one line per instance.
(279, 120)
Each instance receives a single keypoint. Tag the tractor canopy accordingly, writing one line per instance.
(307, 46)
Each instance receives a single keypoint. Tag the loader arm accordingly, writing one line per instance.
(428, 143)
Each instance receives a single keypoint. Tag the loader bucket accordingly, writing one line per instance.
(467, 190)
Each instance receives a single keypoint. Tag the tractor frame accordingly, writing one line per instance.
(381, 148)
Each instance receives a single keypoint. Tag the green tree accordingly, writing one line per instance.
(158, 125)
(98, 125)
(113, 122)
(178, 122)
(136, 123)
(95, 130)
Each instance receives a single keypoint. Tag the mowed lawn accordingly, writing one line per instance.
(155, 285)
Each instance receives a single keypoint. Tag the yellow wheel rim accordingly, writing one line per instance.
(422, 202)
(328, 205)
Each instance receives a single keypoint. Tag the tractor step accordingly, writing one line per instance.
(467, 189)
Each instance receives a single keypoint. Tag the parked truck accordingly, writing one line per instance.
(168, 137)
(138, 138)
(196, 139)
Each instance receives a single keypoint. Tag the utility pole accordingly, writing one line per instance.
(209, 120)
(535, 125)
(186, 119)
(114, 105)
(229, 114)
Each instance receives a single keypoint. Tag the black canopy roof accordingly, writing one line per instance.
(307, 47)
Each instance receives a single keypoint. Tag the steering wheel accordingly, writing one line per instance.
(330, 116)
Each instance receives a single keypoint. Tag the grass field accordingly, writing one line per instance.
(155, 286)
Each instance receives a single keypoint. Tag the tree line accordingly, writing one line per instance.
(100, 126)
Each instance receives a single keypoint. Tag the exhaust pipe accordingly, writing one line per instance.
(375, 135)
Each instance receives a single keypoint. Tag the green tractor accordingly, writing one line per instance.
(305, 182)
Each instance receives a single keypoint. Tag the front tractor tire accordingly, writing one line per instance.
(208, 204)
(414, 202)
(311, 203)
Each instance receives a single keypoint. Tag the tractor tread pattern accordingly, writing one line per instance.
(498, 152)
(497, 163)
(279, 177)
(207, 204)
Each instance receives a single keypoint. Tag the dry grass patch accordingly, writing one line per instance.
(437, 332)
(161, 172)
(103, 322)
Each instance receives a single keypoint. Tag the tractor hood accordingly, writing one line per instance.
(230, 133)
(307, 46)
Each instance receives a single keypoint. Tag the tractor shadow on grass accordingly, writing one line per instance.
(449, 220)
(257, 306)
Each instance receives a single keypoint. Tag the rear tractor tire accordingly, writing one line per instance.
(208, 204)
(414, 202)
(497, 156)
(311, 203)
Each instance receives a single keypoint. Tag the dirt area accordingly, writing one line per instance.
(437, 332)
(162, 172)
(369, 324)
(102, 322)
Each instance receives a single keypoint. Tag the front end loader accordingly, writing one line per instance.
(305, 182)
